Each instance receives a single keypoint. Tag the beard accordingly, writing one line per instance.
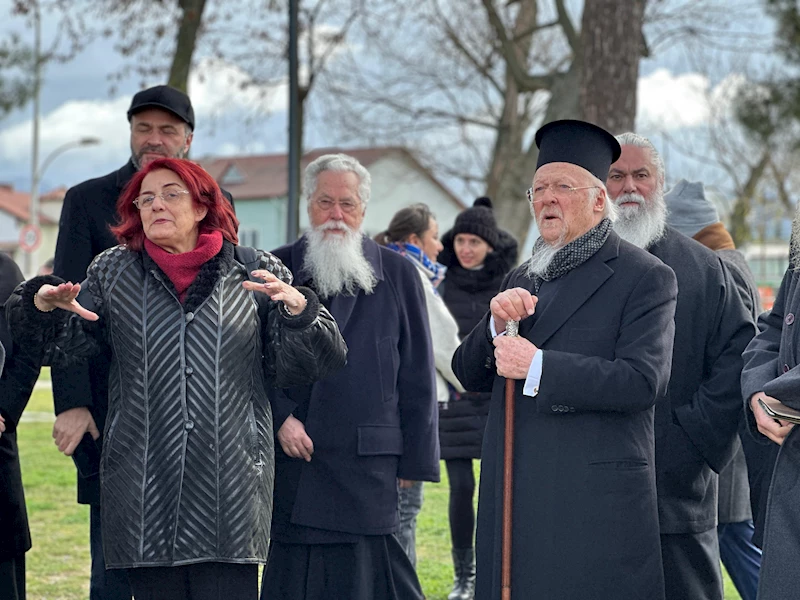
(136, 157)
(644, 224)
(336, 262)
(794, 247)
(543, 251)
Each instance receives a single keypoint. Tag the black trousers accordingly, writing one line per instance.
(691, 566)
(203, 581)
(111, 584)
(12, 578)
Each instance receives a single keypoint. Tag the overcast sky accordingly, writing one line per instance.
(76, 103)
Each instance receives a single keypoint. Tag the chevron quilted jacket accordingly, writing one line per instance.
(187, 467)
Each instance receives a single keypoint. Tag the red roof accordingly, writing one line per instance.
(17, 204)
(266, 176)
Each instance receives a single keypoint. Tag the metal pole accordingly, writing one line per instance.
(30, 263)
(294, 130)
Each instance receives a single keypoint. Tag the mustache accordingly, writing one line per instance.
(549, 211)
(151, 150)
(637, 198)
(334, 226)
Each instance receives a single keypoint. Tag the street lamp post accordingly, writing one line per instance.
(38, 171)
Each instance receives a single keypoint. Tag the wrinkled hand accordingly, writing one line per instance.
(405, 483)
(278, 291)
(513, 356)
(776, 430)
(514, 304)
(2, 425)
(63, 296)
(294, 440)
(70, 427)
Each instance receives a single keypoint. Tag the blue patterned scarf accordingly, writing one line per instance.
(433, 270)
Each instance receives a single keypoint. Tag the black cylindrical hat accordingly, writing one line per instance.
(579, 143)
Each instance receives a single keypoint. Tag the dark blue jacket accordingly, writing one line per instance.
(373, 421)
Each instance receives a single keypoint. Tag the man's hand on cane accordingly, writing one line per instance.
(513, 355)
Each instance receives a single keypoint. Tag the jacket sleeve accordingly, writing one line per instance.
(303, 348)
(639, 373)
(59, 337)
(444, 335)
(72, 387)
(298, 349)
(416, 383)
(473, 361)
(762, 370)
(712, 418)
(21, 369)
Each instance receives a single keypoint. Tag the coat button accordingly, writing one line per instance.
(188, 370)
(571, 409)
(789, 319)
(189, 425)
(785, 368)
(488, 363)
(554, 408)
(189, 317)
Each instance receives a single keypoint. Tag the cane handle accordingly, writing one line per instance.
(512, 328)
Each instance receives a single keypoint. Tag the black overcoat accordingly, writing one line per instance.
(585, 512)
(696, 427)
(89, 209)
(772, 365)
(18, 377)
(371, 422)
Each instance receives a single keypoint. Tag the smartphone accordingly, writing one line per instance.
(87, 456)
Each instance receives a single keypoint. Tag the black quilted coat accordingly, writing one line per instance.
(467, 295)
(188, 461)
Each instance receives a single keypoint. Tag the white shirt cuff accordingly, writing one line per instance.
(531, 387)
(492, 330)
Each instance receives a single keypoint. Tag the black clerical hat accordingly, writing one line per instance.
(579, 143)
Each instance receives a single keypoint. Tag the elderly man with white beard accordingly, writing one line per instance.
(595, 338)
(347, 440)
(696, 422)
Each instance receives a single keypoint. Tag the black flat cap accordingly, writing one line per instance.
(166, 98)
(579, 143)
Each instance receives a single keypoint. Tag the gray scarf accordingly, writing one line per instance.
(574, 254)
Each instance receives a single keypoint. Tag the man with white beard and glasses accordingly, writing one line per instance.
(696, 422)
(347, 440)
(595, 338)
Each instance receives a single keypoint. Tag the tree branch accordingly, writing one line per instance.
(573, 37)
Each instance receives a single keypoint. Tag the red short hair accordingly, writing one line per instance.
(201, 185)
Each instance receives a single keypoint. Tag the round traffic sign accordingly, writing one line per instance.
(30, 236)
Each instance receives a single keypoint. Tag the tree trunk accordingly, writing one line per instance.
(611, 35)
(186, 43)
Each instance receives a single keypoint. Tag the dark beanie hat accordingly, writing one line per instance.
(478, 220)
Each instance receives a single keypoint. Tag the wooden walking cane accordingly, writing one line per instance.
(512, 330)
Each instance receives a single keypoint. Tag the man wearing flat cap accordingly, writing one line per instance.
(162, 124)
(696, 425)
(592, 357)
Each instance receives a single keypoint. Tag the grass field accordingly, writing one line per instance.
(58, 564)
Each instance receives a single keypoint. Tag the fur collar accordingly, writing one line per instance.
(210, 273)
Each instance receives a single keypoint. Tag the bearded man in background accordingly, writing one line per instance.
(346, 440)
(696, 423)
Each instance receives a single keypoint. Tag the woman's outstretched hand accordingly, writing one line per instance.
(278, 291)
(62, 296)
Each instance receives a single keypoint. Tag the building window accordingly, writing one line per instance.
(249, 236)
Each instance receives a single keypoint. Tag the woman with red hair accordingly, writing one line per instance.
(187, 464)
